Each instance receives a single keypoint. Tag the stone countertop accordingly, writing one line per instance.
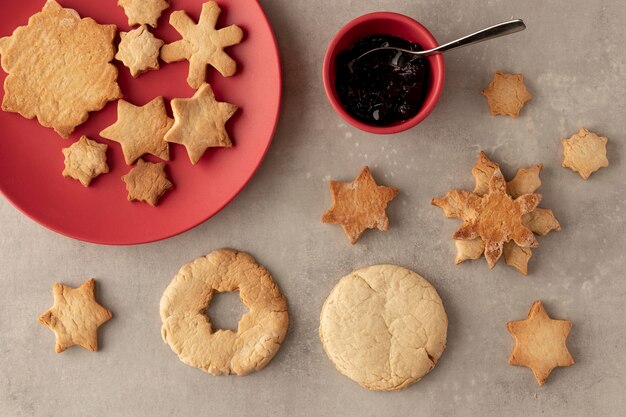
(573, 58)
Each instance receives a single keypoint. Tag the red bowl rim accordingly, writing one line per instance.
(437, 71)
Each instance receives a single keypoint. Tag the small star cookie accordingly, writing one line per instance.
(85, 160)
(202, 44)
(359, 205)
(540, 342)
(143, 12)
(506, 94)
(75, 316)
(585, 153)
(139, 50)
(147, 182)
(200, 123)
(140, 129)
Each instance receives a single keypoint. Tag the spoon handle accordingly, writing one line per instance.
(495, 31)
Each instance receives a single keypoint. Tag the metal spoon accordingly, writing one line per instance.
(501, 29)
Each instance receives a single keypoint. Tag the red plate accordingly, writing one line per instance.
(31, 161)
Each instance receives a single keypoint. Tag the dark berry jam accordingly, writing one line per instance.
(384, 87)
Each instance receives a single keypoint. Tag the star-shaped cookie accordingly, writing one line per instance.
(540, 342)
(85, 160)
(585, 153)
(139, 50)
(75, 316)
(200, 123)
(202, 44)
(143, 12)
(141, 129)
(359, 205)
(506, 94)
(147, 182)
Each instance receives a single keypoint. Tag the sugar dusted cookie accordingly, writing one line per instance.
(59, 68)
(141, 129)
(384, 327)
(139, 50)
(147, 182)
(75, 316)
(540, 342)
(85, 160)
(189, 332)
(202, 44)
(200, 123)
(585, 153)
(359, 205)
(143, 12)
(506, 94)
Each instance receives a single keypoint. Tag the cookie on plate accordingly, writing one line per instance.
(147, 182)
(75, 316)
(59, 68)
(139, 51)
(85, 160)
(202, 44)
(143, 12)
(384, 327)
(585, 153)
(189, 332)
(506, 94)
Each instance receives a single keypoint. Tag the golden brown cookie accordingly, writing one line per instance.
(540, 342)
(85, 160)
(143, 12)
(188, 330)
(200, 123)
(59, 68)
(141, 130)
(384, 327)
(202, 44)
(75, 316)
(585, 153)
(147, 182)
(539, 221)
(506, 94)
(139, 50)
(359, 205)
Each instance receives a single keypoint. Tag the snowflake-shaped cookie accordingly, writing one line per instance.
(85, 160)
(139, 50)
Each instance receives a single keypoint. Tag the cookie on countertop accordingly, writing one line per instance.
(202, 44)
(585, 153)
(85, 160)
(200, 123)
(189, 332)
(540, 342)
(506, 94)
(147, 182)
(143, 12)
(139, 51)
(384, 327)
(75, 316)
(141, 129)
(359, 205)
(59, 68)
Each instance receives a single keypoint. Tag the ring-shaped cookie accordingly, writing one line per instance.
(188, 330)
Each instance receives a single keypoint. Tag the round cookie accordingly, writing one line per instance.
(384, 327)
(188, 331)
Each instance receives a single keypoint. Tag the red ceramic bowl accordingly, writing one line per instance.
(389, 24)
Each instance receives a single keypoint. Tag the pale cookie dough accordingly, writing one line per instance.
(384, 327)
(188, 330)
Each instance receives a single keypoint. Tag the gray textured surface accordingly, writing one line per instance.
(573, 57)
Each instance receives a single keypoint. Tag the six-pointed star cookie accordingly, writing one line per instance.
(540, 342)
(143, 12)
(202, 44)
(506, 94)
(147, 182)
(585, 153)
(75, 316)
(359, 205)
(139, 50)
(85, 160)
(199, 123)
(140, 129)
